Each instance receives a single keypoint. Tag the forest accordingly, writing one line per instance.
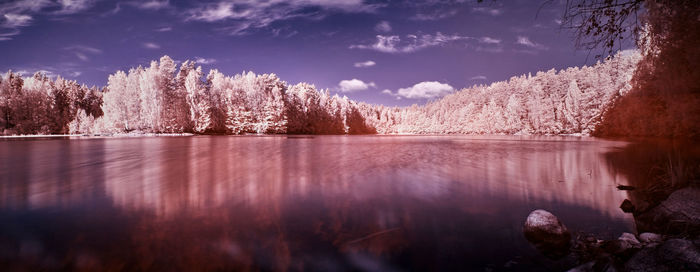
(161, 98)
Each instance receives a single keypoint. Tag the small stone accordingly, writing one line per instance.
(627, 206)
(650, 238)
(628, 240)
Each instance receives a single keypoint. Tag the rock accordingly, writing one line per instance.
(627, 206)
(679, 214)
(641, 205)
(650, 238)
(672, 255)
(681, 251)
(644, 260)
(586, 267)
(628, 240)
(547, 234)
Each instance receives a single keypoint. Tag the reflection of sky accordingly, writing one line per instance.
(392, 44)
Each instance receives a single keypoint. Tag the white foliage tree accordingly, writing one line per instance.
(198, 100)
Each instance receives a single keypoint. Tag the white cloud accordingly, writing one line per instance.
(284, 32)
(363, 64)
(434, 16)
(24, 6)
(27, 73)
(525, 41)
(354, 85)
(426, 89)
(489, 11)
(20, 13)
(489, 40)
(244, 15)
(81, 56)
(383, 26)
(70, 69)
(115, 10)
(411, 43)
(387, 91)
(164, 29)
(217, 12)
(151, 4)
(74, 6)
(82, 51)
(200, 60)
(479, 77)
(84, 48)
(151, 45)
(16, 20)
(4, 36)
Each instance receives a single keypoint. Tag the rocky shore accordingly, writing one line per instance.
(667, 238)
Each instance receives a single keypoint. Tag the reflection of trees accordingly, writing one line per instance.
(203, 173)
(656, 168)
(40, 174)
(277, 203)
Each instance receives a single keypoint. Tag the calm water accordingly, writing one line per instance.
(298, 203)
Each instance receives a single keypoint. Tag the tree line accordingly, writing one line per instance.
(162, 98)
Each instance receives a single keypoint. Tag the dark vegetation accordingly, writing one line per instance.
(665, 97)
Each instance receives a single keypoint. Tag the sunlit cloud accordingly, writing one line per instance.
(354, 85)
(479, 77)
(426, 89)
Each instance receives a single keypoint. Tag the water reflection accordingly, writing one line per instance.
(313, 203)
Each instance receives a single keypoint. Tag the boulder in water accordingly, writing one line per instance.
(547, 234)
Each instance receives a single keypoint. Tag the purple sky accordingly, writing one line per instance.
(387, 52)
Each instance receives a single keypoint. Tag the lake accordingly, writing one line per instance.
(328, 203)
